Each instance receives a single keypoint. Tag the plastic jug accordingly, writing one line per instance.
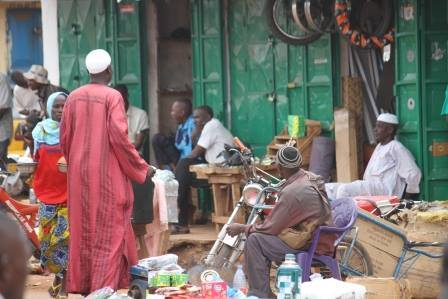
(239, 280)
(289, 278)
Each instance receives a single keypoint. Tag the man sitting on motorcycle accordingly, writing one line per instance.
(302, 207)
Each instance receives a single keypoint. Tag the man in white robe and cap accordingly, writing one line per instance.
(391, 170)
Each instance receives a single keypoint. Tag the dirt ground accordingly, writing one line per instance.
(190, 248)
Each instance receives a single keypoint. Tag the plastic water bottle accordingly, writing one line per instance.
(289, 278)
(239, 280)
(32, 196)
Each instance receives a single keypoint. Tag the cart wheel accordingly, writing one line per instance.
(137, 290)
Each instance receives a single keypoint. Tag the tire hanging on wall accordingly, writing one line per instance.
(279, 32)
(358, 38)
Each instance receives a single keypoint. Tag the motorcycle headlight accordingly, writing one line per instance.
(250, 194)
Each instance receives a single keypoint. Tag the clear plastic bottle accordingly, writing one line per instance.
(239, 280)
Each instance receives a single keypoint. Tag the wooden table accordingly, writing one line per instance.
(226, 188)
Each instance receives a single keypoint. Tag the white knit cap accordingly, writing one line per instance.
(388, 118)
(97, 61)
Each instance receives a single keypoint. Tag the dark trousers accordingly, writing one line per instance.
(4, 153)
(185, 179)
(164, 150)
(259, 252)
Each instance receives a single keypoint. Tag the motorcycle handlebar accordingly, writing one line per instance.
(240, 145)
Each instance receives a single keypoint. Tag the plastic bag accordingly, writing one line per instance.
(103, 293)
(172, 268)
(119, 296)
(14, 184)
(157, 262)
(331, 289)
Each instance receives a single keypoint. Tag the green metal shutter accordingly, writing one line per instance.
(251, 74)
(308, 87)
(122, 38)
(421, 80)
(81, 28)
(270, 79)
(434, 79)
(206, 39)
(407, 75)
(85, 25)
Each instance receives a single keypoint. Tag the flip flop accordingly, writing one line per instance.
(54, 290)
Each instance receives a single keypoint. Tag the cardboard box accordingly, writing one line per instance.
(346, 146)
(384, 249)
(383, 288)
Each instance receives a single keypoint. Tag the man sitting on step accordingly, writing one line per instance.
(391, 169)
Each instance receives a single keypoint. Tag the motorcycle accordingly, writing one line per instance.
(387, 207)
(258, 198)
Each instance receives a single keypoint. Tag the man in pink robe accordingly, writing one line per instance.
(101, 164)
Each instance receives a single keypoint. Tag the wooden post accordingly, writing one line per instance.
(346, 146)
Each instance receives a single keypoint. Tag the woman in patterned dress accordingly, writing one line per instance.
(50, 186)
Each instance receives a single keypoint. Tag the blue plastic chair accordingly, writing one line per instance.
(344, 213)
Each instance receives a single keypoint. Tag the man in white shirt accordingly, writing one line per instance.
(25, 99)
(391, 170)
(14, 253)
(6, 121)
(213, 137)
(138, 124)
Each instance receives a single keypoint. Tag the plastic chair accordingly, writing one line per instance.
(344, 213)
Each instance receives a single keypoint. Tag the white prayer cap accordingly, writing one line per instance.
(97, 61)
(388, 118)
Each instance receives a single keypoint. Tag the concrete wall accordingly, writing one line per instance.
(4, 39)
(50, 39)
(153, 82)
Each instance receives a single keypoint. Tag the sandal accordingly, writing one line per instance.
(54, 290)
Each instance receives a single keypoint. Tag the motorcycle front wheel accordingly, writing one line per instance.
(217, 264)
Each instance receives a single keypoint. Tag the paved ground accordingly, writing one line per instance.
(37, 285)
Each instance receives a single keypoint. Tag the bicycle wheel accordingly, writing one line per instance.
(298, 15)
(358, 263)
(279, 18)
(319, 14)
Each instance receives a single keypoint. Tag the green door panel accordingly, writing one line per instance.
(123, 43)
(68, 44)
(89, 11)
(408, 58)
(434, 79)
(270, 80)
(407, 87)
(81, 29)
(252, 76)
(319, 76)
(421, 80)
(85, 25)
(206, 39)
